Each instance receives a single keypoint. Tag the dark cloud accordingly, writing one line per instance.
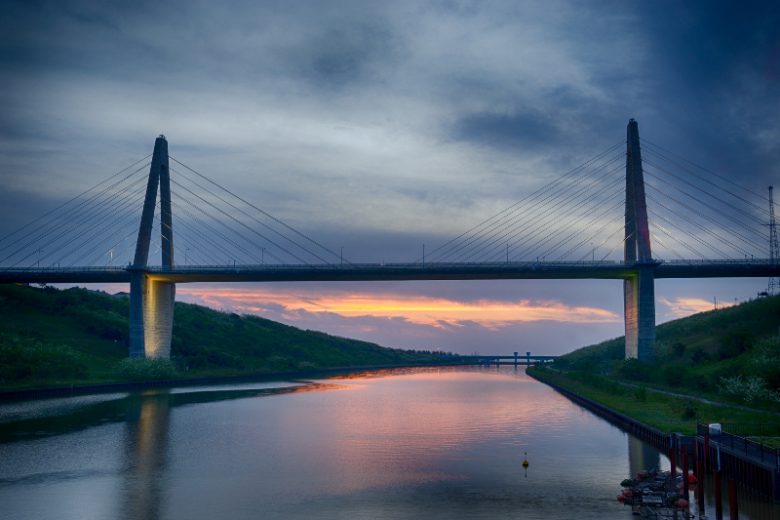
(515, 130)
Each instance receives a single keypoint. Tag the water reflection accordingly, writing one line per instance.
(423, 443)
(34, 420)
(146, 443)
(641, 455)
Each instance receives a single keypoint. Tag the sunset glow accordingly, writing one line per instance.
(682, 307)
(417, 309)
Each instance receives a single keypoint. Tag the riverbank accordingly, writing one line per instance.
(664, 412)
(16, 394)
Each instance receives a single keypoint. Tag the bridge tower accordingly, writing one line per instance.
(151, 301)
(639, 289)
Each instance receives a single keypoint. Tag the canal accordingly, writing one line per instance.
(394, 444)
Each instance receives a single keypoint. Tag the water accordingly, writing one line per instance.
(423, 443)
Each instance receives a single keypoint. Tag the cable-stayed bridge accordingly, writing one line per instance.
(596, 221)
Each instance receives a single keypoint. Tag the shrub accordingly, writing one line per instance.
(699, 355)
(735, 343)
(23, 359)
(678, 348)
(748, 389)
(689, 411)
(675, 375)
(640, 394)
(636, 370)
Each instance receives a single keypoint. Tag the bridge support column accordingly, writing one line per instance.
(639, 290)
(152, 301)
(639, 312)
(151, 316)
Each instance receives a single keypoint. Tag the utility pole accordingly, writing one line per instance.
(773, 286)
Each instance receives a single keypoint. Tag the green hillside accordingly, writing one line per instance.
(50, 336)
(732, 353)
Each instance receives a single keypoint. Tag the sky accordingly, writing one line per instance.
(378, 127)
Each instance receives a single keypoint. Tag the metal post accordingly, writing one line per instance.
(515, 359)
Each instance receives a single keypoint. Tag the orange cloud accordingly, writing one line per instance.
(417, 309)
(682, 307)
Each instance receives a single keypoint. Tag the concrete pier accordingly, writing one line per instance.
(152, 300)
(639, 289)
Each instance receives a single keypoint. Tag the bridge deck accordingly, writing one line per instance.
(395, 272)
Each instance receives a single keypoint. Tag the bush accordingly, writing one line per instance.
(699, 355)
(689, 411)
(735, 343)
(640, 394)
(749, 389)
(635, 370)
(25, 359)
(678, 348)
(675, 375)
(133, 369)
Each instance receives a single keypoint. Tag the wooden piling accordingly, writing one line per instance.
(733, 506)
(700, 487)
(684, 450)
(718, 496)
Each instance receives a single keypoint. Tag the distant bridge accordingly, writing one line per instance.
(515, 360)
(532, 239)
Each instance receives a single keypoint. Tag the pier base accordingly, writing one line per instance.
(151, 317)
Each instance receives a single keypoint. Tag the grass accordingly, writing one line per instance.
(665, 412)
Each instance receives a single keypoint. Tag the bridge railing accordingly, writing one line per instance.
(742, 444)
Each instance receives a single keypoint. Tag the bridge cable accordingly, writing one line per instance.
(231, 217)
(547, 213)
(544, 212)
(278, 221)
(695, 214)
(57, 208)
(535, 193)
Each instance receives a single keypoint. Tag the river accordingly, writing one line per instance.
(445, 443)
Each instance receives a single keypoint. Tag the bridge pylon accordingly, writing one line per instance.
(639, 289)
(151, 300)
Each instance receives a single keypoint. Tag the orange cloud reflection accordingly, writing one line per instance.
(417, 309)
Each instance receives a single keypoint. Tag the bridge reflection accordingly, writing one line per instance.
(146, 442)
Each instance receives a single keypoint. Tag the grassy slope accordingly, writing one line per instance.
(50, 336)
(693, 356)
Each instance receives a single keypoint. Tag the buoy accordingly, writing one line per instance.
(621, 498)
(692, 478)
(525, 461)
(682, 503)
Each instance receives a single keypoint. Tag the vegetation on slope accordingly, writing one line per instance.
(723, 365)
(730, 354)
(668, 413)
(50, 336)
